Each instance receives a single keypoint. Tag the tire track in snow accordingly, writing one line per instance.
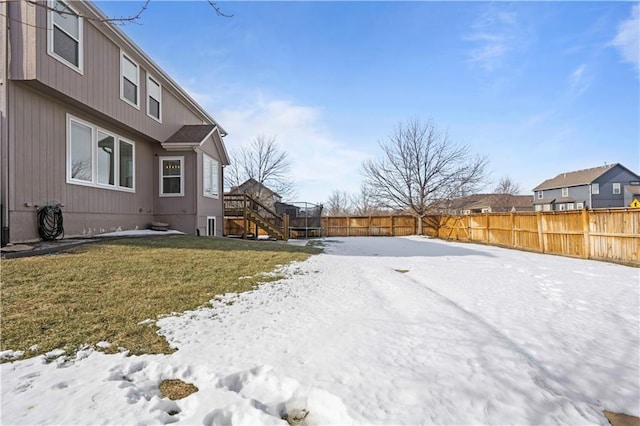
(546, 380)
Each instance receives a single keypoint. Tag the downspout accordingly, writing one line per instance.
(4, 123)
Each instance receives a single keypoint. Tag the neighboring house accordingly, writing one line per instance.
(489, 203)
(258, 191)
(89, 121)
(598, 187)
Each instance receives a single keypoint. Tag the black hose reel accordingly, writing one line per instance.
(50, 226)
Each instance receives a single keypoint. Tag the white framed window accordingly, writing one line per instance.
(126, 162)
(616, 188)
(64, 34)
(562, 207)
(154, 99)
(171, 176)
(571, 206)
(210, 184)
(595, 188)
(579, 205)
(97, 157)
(129, 80)
(565, 192)
(540, 195)
(546, 207)
(537, 207)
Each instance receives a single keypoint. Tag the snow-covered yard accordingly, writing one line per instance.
(374, 331)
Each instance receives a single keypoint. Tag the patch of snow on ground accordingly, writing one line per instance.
(374, 331)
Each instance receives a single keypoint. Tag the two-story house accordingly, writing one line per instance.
(90, 122)
(598, 187)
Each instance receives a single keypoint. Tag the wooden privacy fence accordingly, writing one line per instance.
(611, 234)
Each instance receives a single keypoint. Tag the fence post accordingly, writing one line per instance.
(348, 227)
(585, 231)
(540, 232)
(487, 228)
(369, 231)
(392, 230)
(513, 229)
(285, 225)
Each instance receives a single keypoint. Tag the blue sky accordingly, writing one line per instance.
(540, 88)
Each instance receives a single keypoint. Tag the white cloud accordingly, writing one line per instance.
(321, 163)
(579, 80)
(495, 34)
(627, 39)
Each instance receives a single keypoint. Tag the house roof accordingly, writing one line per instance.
(194, 135)
(251, 184)
(191, 133)
(478, 201)
(632, 189)
(575, 178)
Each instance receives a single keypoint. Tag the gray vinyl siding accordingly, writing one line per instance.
(208, 206)
(179, 212)
(98, 87)
(37, 135)
(606, 198)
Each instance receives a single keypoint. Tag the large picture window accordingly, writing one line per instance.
(64, 34)
(129, 80)
(210, 177)
(171, 176)
(96, 157)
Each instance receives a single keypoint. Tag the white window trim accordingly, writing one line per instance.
(216, 196)
(595, 188)
(79, 69)
(130, 59)
(540, 195)
(173, 158)
(616, 185)
(133, 168)
(155, 80)
(94, 166)
(579, 205)
(565, 192)
(215, 231)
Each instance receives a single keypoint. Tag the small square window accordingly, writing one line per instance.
(616, 188)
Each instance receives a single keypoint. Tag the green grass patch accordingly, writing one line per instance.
(103, 291)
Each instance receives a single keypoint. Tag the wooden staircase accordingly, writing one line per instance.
(252, 213)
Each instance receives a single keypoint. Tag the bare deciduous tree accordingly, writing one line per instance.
(263, 161)
(421, 167)
(338, 204)
(363, 202)
(63, 9)
(505, 189)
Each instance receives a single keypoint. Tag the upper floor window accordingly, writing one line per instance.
(616, 188)
(565, 192)
(540, 195)
(210, 177)
(154, 99)
(129, 80)
(64, 35)
(96, 157)
(595, 188)
(171, 176)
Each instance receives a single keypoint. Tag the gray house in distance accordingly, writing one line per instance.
(90, 122)
(595, 188)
